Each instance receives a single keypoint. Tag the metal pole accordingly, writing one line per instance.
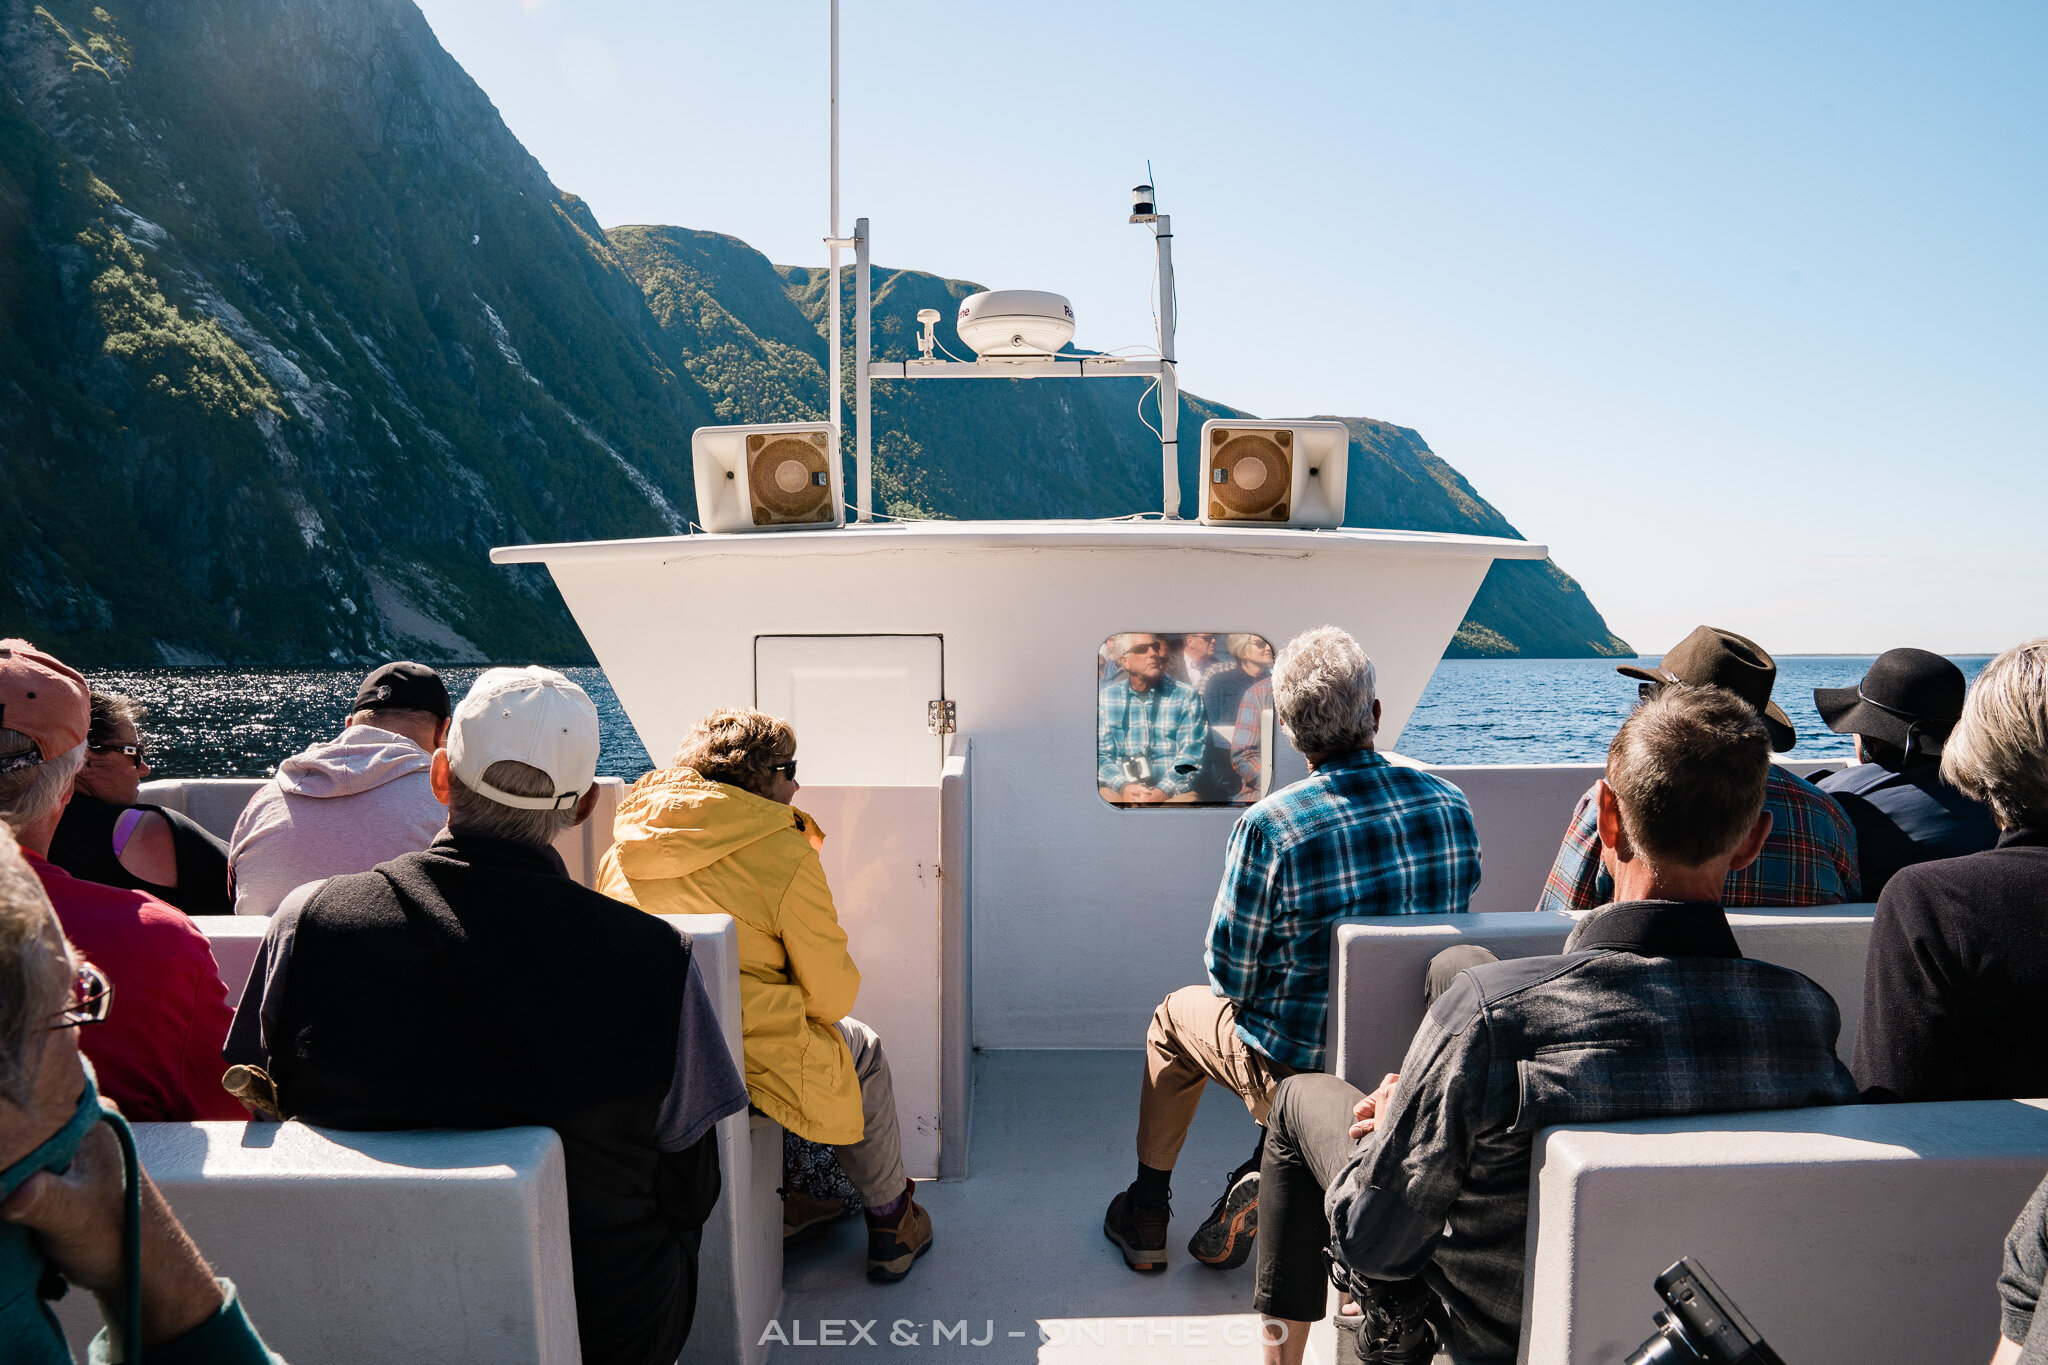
(861, 406)
(832, 369)
(1169, 383)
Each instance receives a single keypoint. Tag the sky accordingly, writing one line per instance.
(1741, 308)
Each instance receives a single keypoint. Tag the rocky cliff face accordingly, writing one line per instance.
(292, 330)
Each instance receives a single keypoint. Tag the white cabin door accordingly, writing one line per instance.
(860, 705)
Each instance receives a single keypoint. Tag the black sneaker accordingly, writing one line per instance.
(1139, 1233)
(1400, 1336)
(1225, 1238)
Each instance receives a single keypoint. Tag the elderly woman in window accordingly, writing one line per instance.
(1958, 964)
(716, 834)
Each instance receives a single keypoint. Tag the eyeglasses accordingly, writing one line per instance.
(92, 995)
(1154, 648)
(786, 769)
(132, 752)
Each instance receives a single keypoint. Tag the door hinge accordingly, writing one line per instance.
(942, 717)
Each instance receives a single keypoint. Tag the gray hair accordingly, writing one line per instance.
(36, 967)
(1323, 690)
(474, 813)
(1998, 752)
(29, 794)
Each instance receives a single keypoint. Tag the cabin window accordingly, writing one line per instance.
(1184, 718)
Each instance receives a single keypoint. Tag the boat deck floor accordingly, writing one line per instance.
(1019, 1266)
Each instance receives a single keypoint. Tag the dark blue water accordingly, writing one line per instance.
(229, 722)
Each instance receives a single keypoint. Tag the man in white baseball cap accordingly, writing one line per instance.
(476, 985)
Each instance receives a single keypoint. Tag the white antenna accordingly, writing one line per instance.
(832, 239)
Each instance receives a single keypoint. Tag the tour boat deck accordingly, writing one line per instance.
(1018, 1245)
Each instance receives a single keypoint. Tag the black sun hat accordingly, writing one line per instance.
(1712, 657)
(1908, 697)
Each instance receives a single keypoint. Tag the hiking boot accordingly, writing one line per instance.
(894, 1244)
(804, 1217)
(1139, 1233)
(1225, 1237)
(1396, 1334)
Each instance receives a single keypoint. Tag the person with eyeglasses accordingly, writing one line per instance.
(159, 1058)
(1811, 857)
(109, 835)
(1152, 735)
(716, 833)
(68, 1213)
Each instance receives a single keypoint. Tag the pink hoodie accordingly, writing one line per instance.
(336, 808)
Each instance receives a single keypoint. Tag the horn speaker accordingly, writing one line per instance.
(1274, 473)
(781, 477)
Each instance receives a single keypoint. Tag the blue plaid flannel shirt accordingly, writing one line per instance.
(1358, 837)
(1164, 724)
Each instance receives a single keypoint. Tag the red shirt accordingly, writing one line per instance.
(158, 1053)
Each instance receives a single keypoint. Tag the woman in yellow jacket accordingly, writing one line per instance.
(716, 834)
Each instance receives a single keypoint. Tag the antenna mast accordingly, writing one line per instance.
(832, 241)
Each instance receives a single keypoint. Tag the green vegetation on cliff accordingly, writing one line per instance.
(293, 330)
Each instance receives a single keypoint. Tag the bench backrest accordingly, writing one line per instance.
(1852, 1234)
(434, 1247)
(1377, 966)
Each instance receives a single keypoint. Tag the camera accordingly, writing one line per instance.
(1700, 1324)
(1137, 769)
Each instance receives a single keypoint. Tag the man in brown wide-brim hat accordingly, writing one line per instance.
(1901, 712)
(1810, 857)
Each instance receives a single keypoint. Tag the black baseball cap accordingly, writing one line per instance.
(403, 686)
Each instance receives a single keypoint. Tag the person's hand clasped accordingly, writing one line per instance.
(1366, 1113)
(77, 1215)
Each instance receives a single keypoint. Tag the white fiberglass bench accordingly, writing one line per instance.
(1846, 1235)
(739, 1282)
(437, 1247)
(1377, 967)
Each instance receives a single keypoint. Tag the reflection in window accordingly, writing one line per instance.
(1184, 718)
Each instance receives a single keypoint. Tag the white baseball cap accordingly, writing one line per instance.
(534, 715)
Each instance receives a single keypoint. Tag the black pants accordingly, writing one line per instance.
(1308, 1140)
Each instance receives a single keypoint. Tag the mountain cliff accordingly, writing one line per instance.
(293, 329)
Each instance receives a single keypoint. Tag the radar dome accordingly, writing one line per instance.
(1015, 322)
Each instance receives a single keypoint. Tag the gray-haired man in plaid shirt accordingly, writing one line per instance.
(1359, 837)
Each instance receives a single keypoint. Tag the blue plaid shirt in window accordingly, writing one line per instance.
(1164, 725)
(1358, 837)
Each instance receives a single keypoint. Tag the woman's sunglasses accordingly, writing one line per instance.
(132, 752)
(92, 995)
(787, 769)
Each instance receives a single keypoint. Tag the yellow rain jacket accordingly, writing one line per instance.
(689, 846)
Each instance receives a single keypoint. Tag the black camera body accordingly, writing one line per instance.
(1700, 1325)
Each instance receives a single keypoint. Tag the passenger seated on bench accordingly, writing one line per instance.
(159, 1059)
(1901, 713)
(476, 985)
(2022, 1327)
(1359, 836)
(347, 805)
(1958, 963)
(716, 835)
(1810, 858)
(1651, 1010)
(109, 835)
(62, 1208)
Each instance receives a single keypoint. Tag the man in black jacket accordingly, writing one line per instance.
(475, 985)
(1651, 1010)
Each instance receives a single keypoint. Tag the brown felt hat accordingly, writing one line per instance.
(1712, 657)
